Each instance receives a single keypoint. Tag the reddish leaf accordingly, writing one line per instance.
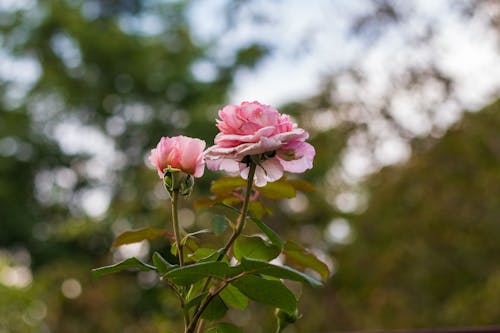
(135, 236)
(278, 190)
(301, 185)
(299, 257)
(226, 185)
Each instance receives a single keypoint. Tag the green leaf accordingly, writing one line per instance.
(203, 254)
(235, 210)
(219, 224)
(224, 328)
(296, 255)
(258, 210)
(270, 233)
(230, 200)
(195, 290)
(282, 272)
(189, 274)
(125, 264)
(226, 185)
(278, 190)
(204, 203)
(161, 263)
(274, 238)
(234, 298)
(284, 319)
(216, 309)
(135, 236)
(195, 301)
(254, 247)
(271, 292)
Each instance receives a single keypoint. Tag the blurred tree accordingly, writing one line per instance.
(90, 87)
(103, 81)
(425, 252)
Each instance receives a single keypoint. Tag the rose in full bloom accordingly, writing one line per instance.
(260, 131)
(179, 152)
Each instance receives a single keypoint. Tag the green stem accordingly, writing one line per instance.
(240, 224)
(175, 223)
(181, 300)
(192, 326)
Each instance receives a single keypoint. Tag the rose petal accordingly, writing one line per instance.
(253, 129)
(263, 146)
(268, 171)
(179, 152)
(305, 155)
(191, 153)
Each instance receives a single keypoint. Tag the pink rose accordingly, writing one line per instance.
(256, 129)
(179, 152)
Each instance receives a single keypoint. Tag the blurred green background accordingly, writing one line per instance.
(407, 207)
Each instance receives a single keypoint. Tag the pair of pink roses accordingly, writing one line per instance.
(248, 132)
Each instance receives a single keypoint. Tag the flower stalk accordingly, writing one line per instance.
(175, 224)
(240, 223)
(260, 144)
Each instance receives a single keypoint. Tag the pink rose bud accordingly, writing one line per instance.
(179, 152)
(254, 129)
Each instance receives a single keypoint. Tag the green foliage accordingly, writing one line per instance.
(189, 244)
(299, 257)
(204, 254)
(282, 272)
(254, 247)
(234, 298)
(219, 225)
(301, 185)
(284, 319)
(162, 265)
(134, 236)
(122, 265)
(127, 88)
(270, 292)
(224, 328)
(280, 189)
(190, 274)
(226, 185)
(195, 301)
(215, 310)
(273, 237)
(426, 244)
(428, 238)
(228, 191)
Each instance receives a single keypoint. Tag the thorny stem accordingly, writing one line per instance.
(240, 224)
